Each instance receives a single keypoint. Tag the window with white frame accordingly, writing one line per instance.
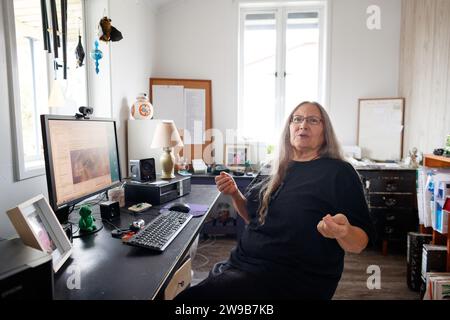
(32, 76)
(282, 63)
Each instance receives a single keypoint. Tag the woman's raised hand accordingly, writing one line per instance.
(334, 227)
(226, 184)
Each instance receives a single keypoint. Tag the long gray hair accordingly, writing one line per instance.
(329, 149)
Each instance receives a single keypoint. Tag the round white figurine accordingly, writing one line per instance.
(142, 109)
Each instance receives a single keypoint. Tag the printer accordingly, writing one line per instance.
(158, 191)
(25, 273)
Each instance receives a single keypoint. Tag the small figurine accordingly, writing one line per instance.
(86, 222)
(142, 109)
(413, 156)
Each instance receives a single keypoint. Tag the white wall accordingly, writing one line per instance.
(132, 61)
(99, 84)
(364, 63)
(199, 39)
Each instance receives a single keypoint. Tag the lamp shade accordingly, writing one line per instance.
(166, 136)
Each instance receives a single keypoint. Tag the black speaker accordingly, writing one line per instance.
(110, 210)
(143, 170)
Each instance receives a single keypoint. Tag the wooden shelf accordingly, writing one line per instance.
(432, 161)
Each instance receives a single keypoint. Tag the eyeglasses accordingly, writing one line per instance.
(313, 120)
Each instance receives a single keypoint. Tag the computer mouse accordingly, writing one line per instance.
(181, 207)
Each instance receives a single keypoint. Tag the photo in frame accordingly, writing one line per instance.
(224, 213)
(39, 228)
(236, 155)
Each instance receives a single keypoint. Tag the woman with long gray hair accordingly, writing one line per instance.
(300, 220)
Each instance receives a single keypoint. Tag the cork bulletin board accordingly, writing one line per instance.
(188, 103)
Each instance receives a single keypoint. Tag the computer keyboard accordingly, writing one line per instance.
(161, 231)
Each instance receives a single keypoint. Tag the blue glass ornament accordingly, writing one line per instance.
(96, 54)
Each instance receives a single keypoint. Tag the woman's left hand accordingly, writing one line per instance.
(334, 227)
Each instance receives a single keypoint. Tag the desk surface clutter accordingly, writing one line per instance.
(102, 267)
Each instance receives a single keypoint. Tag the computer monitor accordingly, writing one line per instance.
(81, 159)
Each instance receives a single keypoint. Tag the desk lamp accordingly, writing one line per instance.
(166, 137)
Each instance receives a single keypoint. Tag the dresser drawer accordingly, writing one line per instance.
(390, 181)
(390, 200)
(394, 224)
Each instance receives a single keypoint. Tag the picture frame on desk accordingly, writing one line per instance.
(39, 228)
(236, 155)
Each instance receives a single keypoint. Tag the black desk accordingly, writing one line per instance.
(109, 269)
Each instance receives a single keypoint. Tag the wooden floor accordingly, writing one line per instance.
(353, 284)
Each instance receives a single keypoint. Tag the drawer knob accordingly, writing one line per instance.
(391, 186)
(390, 218)
(181, 284)
(388, 230)
(390, 202)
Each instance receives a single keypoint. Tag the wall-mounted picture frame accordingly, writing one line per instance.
(236, 155)
(380, 128)
(38, 227)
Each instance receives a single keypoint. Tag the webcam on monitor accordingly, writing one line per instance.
(85, 112)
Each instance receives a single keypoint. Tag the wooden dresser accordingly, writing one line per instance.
(391, 195)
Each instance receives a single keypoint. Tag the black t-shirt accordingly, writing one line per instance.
(288, 247)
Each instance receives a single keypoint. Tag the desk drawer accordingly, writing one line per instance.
(180, 281)
(390, 200)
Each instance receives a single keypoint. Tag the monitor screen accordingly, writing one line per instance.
(81, 158)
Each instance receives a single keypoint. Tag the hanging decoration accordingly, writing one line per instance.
(45, 34)
(96, 54)
(56, 41)
(107, 32)
(79, 53)
(51, 26)
(64, 36)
